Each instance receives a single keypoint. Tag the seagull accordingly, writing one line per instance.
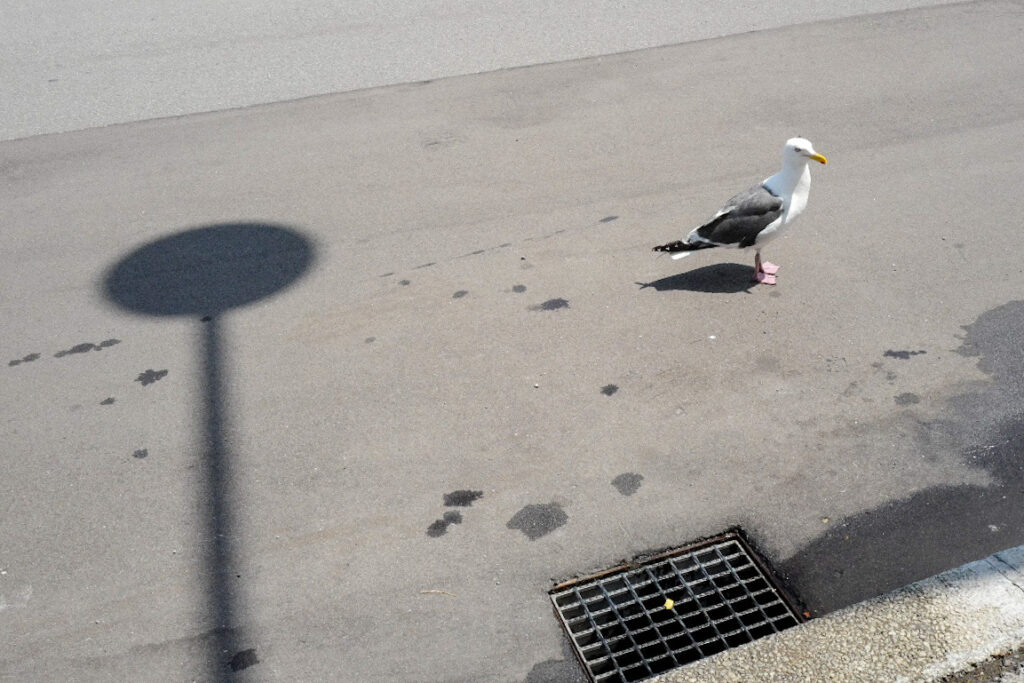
(755, 217)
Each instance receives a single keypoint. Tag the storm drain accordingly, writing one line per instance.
(636, 621)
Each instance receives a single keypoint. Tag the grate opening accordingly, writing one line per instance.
(622, 631)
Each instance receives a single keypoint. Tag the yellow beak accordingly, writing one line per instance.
(817, 157)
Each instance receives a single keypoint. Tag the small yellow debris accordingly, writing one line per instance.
(826, 520)
(669, 603)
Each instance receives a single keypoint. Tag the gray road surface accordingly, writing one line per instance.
(425, 289)
(66, 66)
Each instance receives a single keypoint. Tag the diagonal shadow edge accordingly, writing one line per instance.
(945, 526)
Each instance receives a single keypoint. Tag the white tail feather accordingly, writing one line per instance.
(681, 254)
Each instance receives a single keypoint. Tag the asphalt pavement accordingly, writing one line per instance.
(337, 389)
(92, 63)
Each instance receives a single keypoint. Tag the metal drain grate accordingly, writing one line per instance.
(622, 629)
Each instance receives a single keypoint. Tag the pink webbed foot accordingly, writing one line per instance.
(764, 272)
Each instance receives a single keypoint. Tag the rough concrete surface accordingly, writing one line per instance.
(333, 315)
(923, 632)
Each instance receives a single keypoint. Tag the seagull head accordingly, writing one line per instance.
(798, 150)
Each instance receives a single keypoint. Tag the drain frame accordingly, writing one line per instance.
(619, 626)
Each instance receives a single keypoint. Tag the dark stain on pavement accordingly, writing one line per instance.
(551, 305)
(609, 389)
(462, 498)
(405, 283)
(26, 359)
(519, 289)
(907, 399)
(439, 527)
(109, 401)
(370, 340)
(150, 376)
(140, 453)
(890, 376)
(459, 294)
(538, 520)
(943, 526)
(78, 348)
(425, 265)
(903, 355)
(609, 219)
(86, 347)
(244, 659)
(628, 483)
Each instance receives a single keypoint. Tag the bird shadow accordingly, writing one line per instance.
(720, 278)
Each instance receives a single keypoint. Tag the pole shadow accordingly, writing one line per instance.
(721, 278)
(207, 271)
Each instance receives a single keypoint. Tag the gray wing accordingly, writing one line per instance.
(741, 219)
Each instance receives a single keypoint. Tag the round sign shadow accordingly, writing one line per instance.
(209, 269)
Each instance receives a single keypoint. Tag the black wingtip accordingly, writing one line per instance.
(678, 245)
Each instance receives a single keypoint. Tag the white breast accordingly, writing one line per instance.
(797, 203)
(798, 199)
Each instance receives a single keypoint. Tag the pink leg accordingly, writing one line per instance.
(764, 273)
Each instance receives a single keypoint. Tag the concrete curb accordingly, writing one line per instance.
(929, 629)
